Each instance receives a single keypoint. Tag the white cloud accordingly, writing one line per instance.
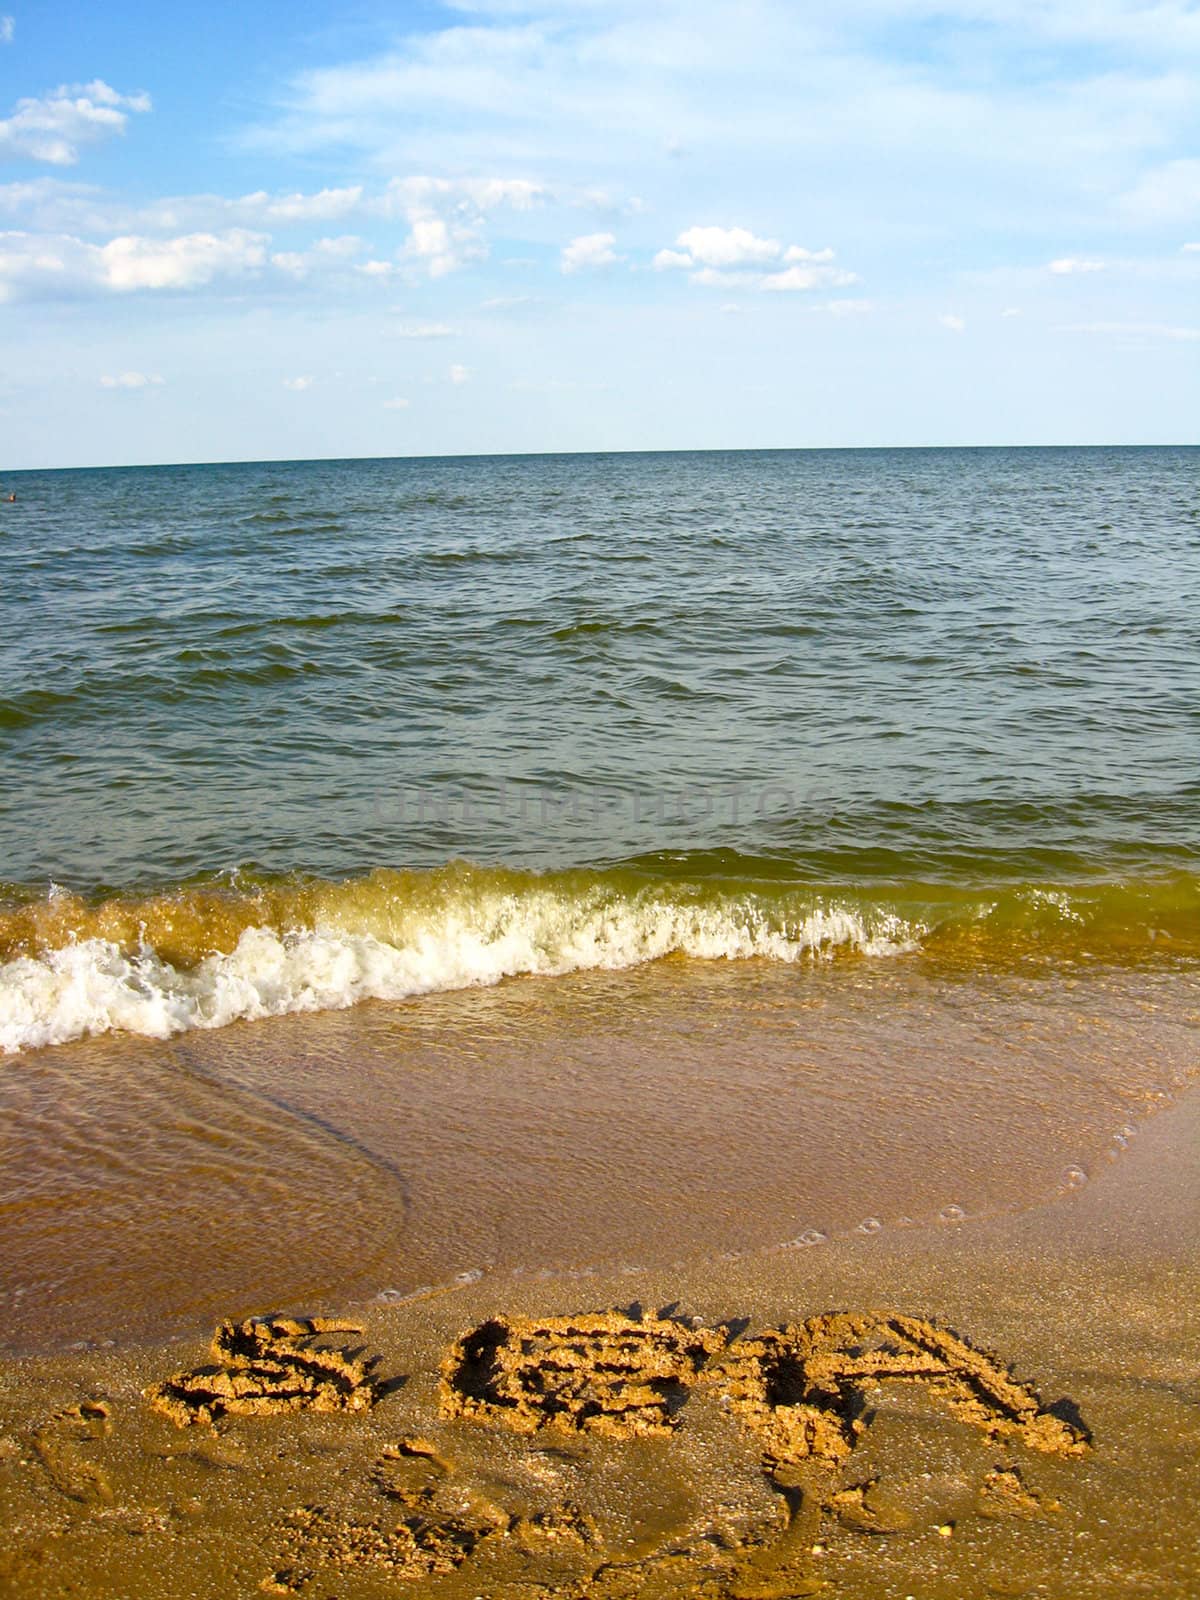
(727, 247)
(446, 216)
(33, 265)
(1122, 22)
(555, 386)
(58, 264)
(459, 373)
(300, 384)
(396, 405)
(327, 205)
(980, 89)
(130, 380)
(953, 322)
(794, 278)
(588, 252)
(441, 247)
(735, 257)
(421, 195)
(185, 263)
(55, 127)
(7, 29)
(55, 204)
(323, 255)
(1011, 311)
(1192, 247)
(600, 198)
(1065, 265)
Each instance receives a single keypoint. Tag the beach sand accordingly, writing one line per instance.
(747, 1184)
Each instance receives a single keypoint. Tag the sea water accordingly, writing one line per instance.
(288, 735)
(634, 854)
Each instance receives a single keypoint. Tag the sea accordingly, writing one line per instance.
(547, 750)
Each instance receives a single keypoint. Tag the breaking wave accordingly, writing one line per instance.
(201, 956)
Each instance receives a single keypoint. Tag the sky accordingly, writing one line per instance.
(268, 230)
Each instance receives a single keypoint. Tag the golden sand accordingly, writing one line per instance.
(1022, 1420)
(699, 1283)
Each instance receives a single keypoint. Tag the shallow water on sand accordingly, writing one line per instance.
(679, 1113)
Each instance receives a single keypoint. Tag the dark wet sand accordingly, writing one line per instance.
(1090, 1295)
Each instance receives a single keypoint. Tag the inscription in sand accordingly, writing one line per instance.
(804, 1392)
(269, 1364)
(802, 1389)
(608, 1373)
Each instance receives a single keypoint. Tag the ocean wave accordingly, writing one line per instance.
(203, 955)
(371, 941)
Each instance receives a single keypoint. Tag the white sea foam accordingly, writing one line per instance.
(93, 987)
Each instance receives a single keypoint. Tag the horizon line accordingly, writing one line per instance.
(534, 455)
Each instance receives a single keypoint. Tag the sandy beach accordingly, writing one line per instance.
(1015, 1409)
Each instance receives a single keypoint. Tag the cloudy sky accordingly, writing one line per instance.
(283, 230)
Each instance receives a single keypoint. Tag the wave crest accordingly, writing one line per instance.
(200, 955)
(92, 985)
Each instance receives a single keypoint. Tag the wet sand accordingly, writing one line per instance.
(664, 1460)
(1091, 1298)
(598, 1122)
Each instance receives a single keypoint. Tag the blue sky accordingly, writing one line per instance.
(268, 230)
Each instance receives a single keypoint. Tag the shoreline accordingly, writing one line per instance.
(1091, 1298)
(617, 1123)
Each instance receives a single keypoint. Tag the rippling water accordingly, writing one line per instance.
(776, 704)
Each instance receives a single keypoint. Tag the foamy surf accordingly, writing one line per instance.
(202, 955)
(92, 986)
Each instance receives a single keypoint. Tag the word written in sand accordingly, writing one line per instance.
(269, 1364)
(607, 1373)
(801, 1390)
